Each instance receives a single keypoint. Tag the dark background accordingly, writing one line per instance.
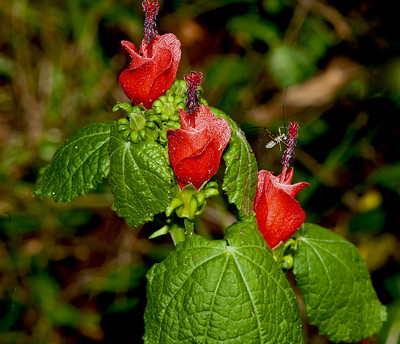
(75, 273)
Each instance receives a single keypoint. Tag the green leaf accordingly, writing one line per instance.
(336, 286)
(240, 179)
(141, 178)
(78, 165)
(223, 291)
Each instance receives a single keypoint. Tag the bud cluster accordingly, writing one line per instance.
(189, 202)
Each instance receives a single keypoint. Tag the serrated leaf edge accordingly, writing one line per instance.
(87, 187)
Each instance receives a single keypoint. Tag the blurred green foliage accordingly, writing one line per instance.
(74, 273)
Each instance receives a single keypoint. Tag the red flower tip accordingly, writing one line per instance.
(193, 82)
(195, 151)
(293, 129)
(288, 153)
(278, 214)
(150, 24)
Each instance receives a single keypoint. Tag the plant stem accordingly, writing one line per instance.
(189, 227)
(177, 234)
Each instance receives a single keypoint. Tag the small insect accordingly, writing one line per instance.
(284, 134)
(276, 139)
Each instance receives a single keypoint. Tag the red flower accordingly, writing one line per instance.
(195, 150)
(278, 214)
(152, 70)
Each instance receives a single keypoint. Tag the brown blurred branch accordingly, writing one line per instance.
(319, 91)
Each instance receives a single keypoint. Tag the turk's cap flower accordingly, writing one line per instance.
(152, 71)
(278, 214)
(153, 68)
(195, 149)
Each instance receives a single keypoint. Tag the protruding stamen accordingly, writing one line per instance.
(193, 82)
(150, 26)
(192, 103)
(288, 153)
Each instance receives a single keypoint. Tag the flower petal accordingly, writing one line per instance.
(152, 70)
(280, 215)
(195, 152)
(185, 143)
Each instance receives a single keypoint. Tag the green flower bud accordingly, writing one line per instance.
(181, 88)
(150, 125)
(127, 135)
(213, 185)
(287, 262)
(163, 99)
(135, 137)
(164, 117)
(157, 104)
(123, 121)
(162, 137)
(210, 192)
(142, 134)
(122, 128)
(155, 119)
(173, 125)
(178, 100)
(174, 118)
(178, 88)
(123, 106)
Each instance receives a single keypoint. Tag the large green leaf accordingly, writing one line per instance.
(141, 178)
(336, 286)
(78, 165)
(240, 179)
(225, 291)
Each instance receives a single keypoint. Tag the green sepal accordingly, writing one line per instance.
(283, 254)
(190, 202)
(137, 120)
(175, 203)
(162, 231)
(223, 291)
(141, 178)
(338, 294)
(240, 179)
(78, 166)
(178, 89)
(127, 107)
